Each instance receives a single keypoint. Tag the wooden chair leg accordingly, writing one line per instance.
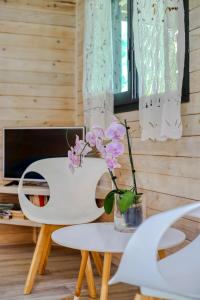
(90, 279)
(98, 262)
(47, 249)
(35, 234)
(36, 259)
(85, 255)
(45, 255)
(105, 276)
(162, 254)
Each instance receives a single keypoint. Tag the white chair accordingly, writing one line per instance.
(72, 201)
(175, 277)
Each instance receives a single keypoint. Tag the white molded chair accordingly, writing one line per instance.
(72, 201)
(175, 277)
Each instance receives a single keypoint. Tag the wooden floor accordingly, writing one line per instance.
(58, 282)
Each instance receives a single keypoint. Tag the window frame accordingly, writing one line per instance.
(129, 101)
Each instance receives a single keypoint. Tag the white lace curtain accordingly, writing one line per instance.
(159, 39)
(97, 63)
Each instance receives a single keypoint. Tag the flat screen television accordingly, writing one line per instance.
(23, 146)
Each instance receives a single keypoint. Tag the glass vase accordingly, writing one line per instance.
(131, 219)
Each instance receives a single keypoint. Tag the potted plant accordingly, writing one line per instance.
(128, 212)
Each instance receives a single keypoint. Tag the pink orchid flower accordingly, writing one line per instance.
(112, 162)
(116, 132)
(91, 138)
(115, 148)
(96, 138)
(98, 131)
(100, 147)
(73, 158)
(81, 148)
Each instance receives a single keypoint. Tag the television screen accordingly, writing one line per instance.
(22, 146)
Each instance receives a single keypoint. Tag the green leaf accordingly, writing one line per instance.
(109, 201)
(126, 200)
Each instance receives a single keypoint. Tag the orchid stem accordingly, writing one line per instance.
(130, 156)
(86, 144)
(113, 179)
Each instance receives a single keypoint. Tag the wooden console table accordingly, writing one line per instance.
(29, 190)
(35, 190)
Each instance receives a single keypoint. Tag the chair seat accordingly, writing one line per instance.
(180, 270)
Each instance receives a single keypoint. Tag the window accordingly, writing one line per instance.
(125, 72)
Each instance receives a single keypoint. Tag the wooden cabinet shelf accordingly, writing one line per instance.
(35, 190)
(19, 222)
(29, 190)
(44, 190)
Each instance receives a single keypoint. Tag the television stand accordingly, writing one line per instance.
(28, 190)
(35, 184)
(27, 183)
(34, 191)
(14, 182)
(11, 188)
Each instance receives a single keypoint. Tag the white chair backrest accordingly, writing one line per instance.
(72, 196)
(139, 264)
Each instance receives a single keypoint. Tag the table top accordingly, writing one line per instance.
(102, 237)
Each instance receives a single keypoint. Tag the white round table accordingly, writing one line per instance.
(102, 237)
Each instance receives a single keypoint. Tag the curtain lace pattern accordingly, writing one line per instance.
(159, 39)
(98, 63)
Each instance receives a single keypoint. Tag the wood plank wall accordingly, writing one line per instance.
(167, 172)
(37, 63)
(37, 74)
(79, 60)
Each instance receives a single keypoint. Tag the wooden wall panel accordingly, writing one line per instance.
(167, 172)
(37, 63)
(37, 73)
(79, 60)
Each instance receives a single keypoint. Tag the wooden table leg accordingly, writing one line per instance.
(162, 254)
(36, 259)
(106, 275)
(85, 269)
(90, 279)
(98, 262)
(84, 260)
